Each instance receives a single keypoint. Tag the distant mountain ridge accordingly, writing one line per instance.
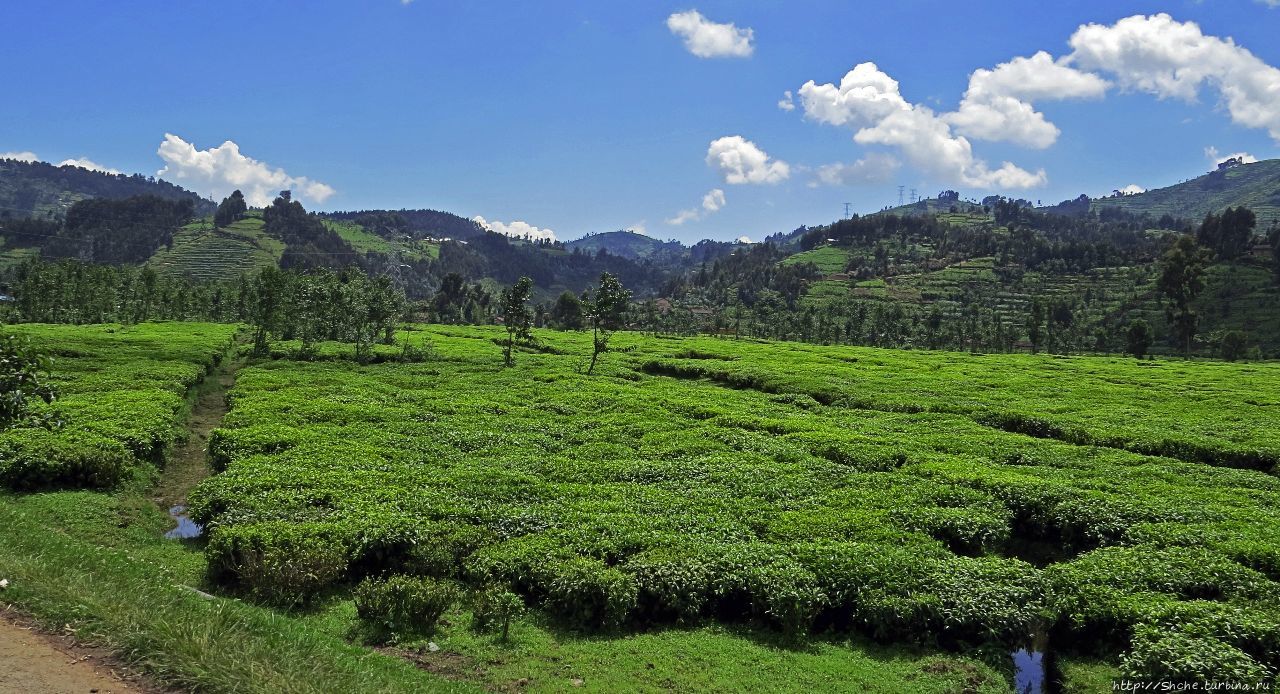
(1256, 186)
(40, 189)
(625, 243)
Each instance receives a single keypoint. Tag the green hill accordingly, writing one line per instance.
(202, 252)
(1256, 186)
(627, 244)
(40, 189)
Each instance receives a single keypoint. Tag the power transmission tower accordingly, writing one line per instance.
(914, 197)
(847, 209)
(900, 189)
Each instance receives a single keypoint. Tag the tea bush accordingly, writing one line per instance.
(402, 605)
(795, 486)
(121, 401)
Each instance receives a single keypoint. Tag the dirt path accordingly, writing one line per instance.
(32, 662)
(188, 463)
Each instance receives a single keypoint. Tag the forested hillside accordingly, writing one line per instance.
(1256, 186)
(42, 190)
(996, 275)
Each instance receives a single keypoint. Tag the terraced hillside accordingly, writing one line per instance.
(1256, 186)
(202, 252)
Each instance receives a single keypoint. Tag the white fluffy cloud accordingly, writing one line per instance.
(86, 163)
(712, 202)
(997, 105)
(876, 167)
(740, 161)
(20, 156)
(787, 102)
(1131, 189)
(868, 100)
(218, 171)
(745, 239)
(707, 39)
(520, 230)
(1167, 58)
(865, 96)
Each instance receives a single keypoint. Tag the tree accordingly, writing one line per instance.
(516, 316)
(265, 306)
(1034, 320)
(1060, 320)
(1138, 338)
(605, 314)
(1237, 232)
(567, 312)
(1181, 279)
(24, 378)
(1233, 345)
(232, 208)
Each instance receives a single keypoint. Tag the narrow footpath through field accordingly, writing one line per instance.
(32, 660)
(188, 463)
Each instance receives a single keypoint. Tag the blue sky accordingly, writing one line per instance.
(591, 116)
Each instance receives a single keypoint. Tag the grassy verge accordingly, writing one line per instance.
(91, 560)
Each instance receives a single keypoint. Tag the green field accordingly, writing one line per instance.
(828, 259)
(701, 514)
(359, 239)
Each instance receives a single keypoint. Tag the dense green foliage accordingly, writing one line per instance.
(912, 497)
(121, 400)
(403, 604)
(40, 189)
(230, 210)
(24, 380)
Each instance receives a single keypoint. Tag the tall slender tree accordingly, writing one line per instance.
(516, 316)
(1181, 280)
(605, 309)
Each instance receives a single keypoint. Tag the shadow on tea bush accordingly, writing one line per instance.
(277, 562)
(39, 459)
(402, 605)
(414, 546)
(586, 593)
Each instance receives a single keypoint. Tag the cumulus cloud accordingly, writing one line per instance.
(865, 96)
(218, 171)
(740, 161)
(519, 230)
(869, 101)
(1212, 154)
(86, 163)
(787, 102)
(707, 39)
(712, 202)
(745, 239)
(20, 156)
(997, 105)
(1131, 189)
(1170, 59)
(876, 167)
(638, 228)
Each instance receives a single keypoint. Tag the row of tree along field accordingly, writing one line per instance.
(756, 291)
